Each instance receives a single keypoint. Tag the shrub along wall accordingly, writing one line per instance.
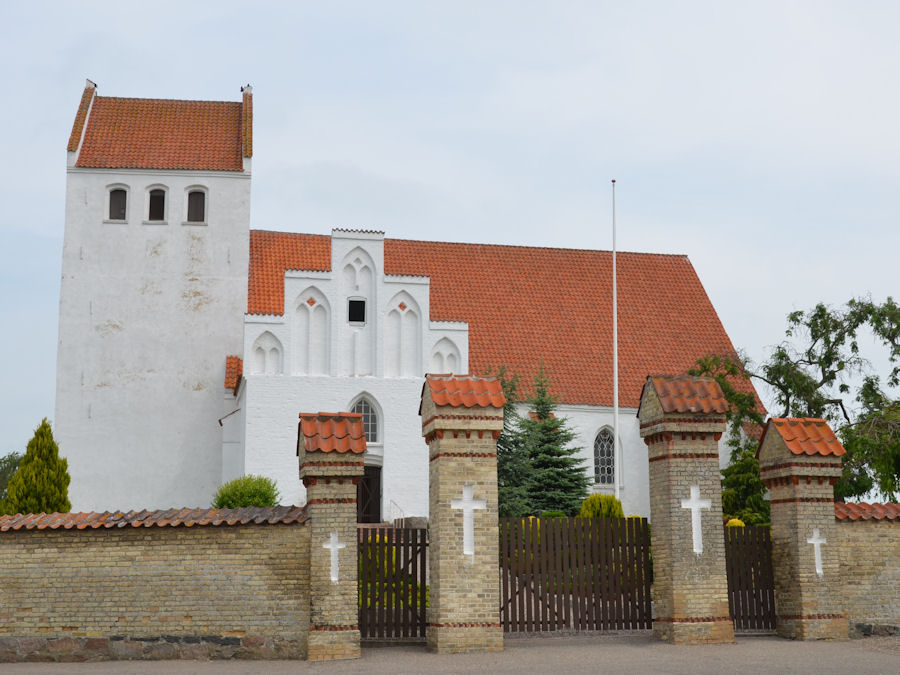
(165, 584)
(869, 550)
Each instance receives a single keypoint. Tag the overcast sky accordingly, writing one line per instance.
(760, 139)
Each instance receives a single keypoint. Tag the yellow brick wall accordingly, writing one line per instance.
(869, 553)
(241, 589)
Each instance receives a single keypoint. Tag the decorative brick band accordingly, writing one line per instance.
(695, 619)
(331, 501)
(491, 455)
(812, 500)
(806, 617)
(669, 436)
(818, 465)
(686, 455)
(335, 628)
(493, 418)
(439, 433)
(795, 480)
(689, 420)
(320, 464)
(464, 625)
(314, 480)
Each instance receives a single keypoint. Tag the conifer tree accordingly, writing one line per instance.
(513, 464)
(41, 484)
(557, 481)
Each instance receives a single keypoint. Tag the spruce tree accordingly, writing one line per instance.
(557, 480)
(513, 464)
(41, 484)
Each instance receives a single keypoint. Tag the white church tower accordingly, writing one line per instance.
(153, 294)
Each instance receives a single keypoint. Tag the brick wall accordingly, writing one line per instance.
(869, 553)
(155, 592)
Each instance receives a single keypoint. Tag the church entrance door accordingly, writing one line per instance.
(368, 496)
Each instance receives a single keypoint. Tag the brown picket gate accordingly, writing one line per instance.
(574, 574)
(392, 584)
(751, 583)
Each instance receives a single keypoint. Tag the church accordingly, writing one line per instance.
(189, 343)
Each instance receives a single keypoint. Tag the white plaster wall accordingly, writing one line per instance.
(234, 423)
(147, 315)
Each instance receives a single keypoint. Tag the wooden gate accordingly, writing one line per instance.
(574, 574)
(392, 590)
(751, 584)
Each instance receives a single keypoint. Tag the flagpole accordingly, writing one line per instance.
(615, 350)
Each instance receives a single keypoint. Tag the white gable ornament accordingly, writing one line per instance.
(334, 545)
(817, 540)
(695, 504)
(468, 505)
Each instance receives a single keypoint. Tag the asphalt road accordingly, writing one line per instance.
(584, 654)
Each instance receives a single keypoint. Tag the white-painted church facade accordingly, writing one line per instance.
(151, 306)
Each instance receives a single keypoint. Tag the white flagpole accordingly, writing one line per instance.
(615, 350)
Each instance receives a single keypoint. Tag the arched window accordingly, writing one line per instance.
(370, 419)
(604, 458)
(118, 203)
(196, 206)
(156, 209)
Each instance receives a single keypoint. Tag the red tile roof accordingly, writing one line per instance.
(163, 518)
(234, 368)
(332, 432)
(81, 116)
(523, 304)
(864, 511)
(247, 121)
(465, 391)
(805, 436)
(534, 416)
(687, 394)
(140, 133)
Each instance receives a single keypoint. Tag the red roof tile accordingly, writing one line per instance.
(687, 394)
(247, 121)
(332, 432)
(140, 133)
(234, 368)
(163, 518)
(534, 417)
(805, 436)
(525, 304)
(466, 391)
(864, 511)
(78, 126)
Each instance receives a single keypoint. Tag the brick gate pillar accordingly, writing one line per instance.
(331, 448)
(682, 419)
(462, 417)
(800, 461)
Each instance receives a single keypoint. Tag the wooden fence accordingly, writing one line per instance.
(392, 589)
(751, 583)
(574, 574)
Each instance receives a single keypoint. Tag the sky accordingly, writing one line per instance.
(759, 139)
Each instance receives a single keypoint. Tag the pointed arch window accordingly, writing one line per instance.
(370, 419)
(604, 458)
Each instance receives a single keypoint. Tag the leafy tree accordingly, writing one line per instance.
(41, 483)
(601, 506)
(246, 491)
(513, 464)
(557, 480)
(8, 465)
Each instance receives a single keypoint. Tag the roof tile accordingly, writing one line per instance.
(689, 394)
(140, 133)
(865, 511)
(184, 517)
(78, 126)
(525, 309)
(234, 368)
(467, 391)
(805, 436)
(332, 432)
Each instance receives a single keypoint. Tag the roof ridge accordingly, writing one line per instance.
(165, 100)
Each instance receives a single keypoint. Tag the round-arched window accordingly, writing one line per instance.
(370, 419)
(604, 458)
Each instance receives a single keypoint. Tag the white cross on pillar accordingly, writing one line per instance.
(468, 506)
(817, 540)
(695, 504)
(334, 546)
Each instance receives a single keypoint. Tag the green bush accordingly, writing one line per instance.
(735, 522)
(246, 491)
(553, 514)
(41, 483)
(601, 506)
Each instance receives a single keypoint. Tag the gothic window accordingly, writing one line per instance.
(196, 207)
(266, 355)
(118, 202)
(604, 458)
(445, 357)
(370, 419)
(156, 210)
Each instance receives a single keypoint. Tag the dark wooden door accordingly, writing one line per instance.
(368, 496)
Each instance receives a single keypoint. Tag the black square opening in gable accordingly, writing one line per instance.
(356, 311)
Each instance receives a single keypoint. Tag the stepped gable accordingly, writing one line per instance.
(804, 436)
(524, 304)
(257, 515)
(332, 432)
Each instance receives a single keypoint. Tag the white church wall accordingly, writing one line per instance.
(448, 348)
(148, 311)
(234, 422)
